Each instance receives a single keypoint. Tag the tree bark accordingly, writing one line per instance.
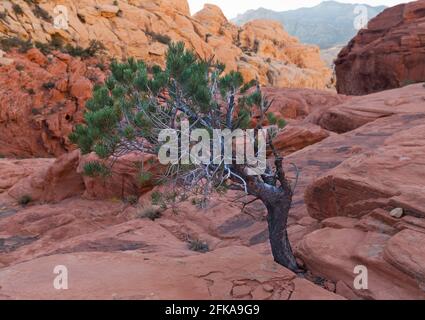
(278, 205)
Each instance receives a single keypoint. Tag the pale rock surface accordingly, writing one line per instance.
(131, 28)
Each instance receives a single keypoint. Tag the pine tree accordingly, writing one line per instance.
(128, 112)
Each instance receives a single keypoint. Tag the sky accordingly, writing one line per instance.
(232, 7)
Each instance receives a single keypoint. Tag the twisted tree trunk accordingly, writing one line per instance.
(278, 204)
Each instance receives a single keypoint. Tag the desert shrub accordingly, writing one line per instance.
(131, 199)
(161, 38)
(3, 15)
(256, 45)
(101, 66)
(81, 18)
(40, 13)
(56, 42)
(43, 47)
(48, 85)
(95, 47)
(408, 82)
(8, 43)
(76, 51)
(35, 111)
(24, 200)
(96, 169)
(149, 213)
(156, 198)
(198, 246)
(17, 9)
(145, 177)
(19, 67)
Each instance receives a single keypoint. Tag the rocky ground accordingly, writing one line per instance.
(354, 172)
(359, 199)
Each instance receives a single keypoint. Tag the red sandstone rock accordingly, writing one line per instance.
(11, 171)
(406, 252)
(119, 275)
(53, 183)
(333, 254)
(35, 118)
(390, 176)
(124, 180)
(299, 103)
(295, 137)
(357, 111)
(388, 54)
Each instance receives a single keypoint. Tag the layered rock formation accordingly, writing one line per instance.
(358, 201)
(41, 99)
(142, 29)
(43, 96)
(390, 53)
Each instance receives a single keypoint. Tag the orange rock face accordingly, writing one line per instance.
(388, 54)
(41, 98)
(141, 29)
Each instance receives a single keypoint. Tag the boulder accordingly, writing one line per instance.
(124, 180)
(355, 112)
(53, 183)
(388, 54)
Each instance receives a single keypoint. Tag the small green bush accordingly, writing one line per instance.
(96, 169)
(149, 213)
(156, 198)
(131, 199)
(161, 38)
(8, 43)
(95, 47)
(18, 9)
(3, 15)
(24, 200)
(48, 85)
(40, 13)
(35, 111)
(101, 66)
(198, 246)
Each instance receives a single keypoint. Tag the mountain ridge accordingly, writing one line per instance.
(327, 25)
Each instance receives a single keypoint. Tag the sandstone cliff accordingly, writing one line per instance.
(390, 53)
(142, 28)
(41, 99)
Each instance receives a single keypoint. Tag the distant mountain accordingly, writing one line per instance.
(327, 25)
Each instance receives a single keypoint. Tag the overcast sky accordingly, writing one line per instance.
(232, 7)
